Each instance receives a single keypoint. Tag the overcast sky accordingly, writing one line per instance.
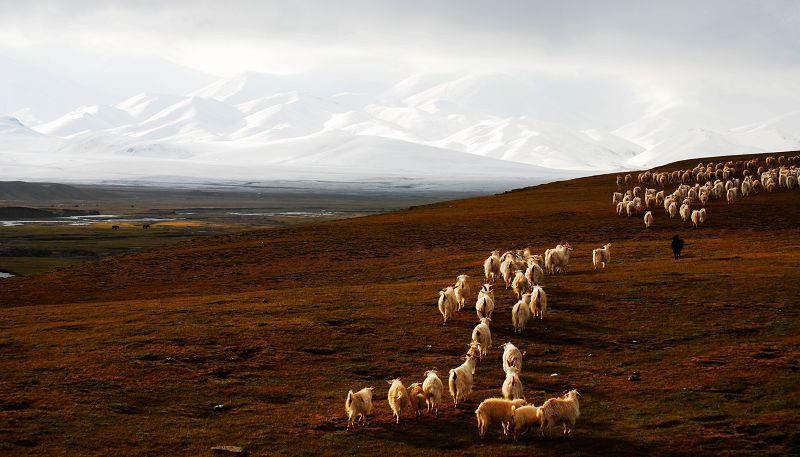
(749, 48)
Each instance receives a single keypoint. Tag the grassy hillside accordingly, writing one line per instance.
(134, 354)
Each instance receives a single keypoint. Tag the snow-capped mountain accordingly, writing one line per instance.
(261, 124)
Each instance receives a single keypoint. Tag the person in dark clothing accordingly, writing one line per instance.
(677, 246)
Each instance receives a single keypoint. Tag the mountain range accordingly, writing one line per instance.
(447, 128)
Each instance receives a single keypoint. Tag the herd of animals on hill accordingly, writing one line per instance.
(523, 271)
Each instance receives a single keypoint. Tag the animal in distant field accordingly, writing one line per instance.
(115, 227)
(677, 246)
(601, 256)
(560, 411)
(357, 406)
(145, 226)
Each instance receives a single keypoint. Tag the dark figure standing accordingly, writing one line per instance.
(677, 246)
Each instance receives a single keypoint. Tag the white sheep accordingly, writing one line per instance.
(686, 212)
(433, 388)
(357, 406)
(673, 209)
(461, 289)
(556, 260)
(447, 303)
(557, 411)
(484, 306)
(520, 313)
(482, 336)
(512, 386)
(630, 208)
(732, 195)
(520, 285)
(506, 271)
(398, 398)
(416, 397)
(524, 418)
(696, 217)
(538, 302)
(703, 216)
(601, 256)
(534, 273)
(491, 267)
(460, 381)
(648, 219)
(512, 357)
(494, 410)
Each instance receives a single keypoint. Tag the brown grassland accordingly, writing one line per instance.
(130, 355)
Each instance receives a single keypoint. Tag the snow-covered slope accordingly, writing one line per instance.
(434, 126)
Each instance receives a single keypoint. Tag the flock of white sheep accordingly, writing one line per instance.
(523, 272)
(699, 185)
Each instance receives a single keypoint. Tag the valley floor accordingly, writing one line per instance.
(254, 338)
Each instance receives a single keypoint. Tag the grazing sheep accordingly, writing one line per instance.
(601, 256)
(461, 289)
(416, 397)
(357, 406)
(491, 267)
(685, 212)
(433, 388)
(398, 398)
(524, 418)
(696, 218)
(557, 411)
(648, 219)
(484, 306)
(460, 381)
(512, 357)
(482, 336)
(732, 195)
(447, 303)
(520, 314)
(494, 410)
(538, 302)
(512, 386)
(520, 285)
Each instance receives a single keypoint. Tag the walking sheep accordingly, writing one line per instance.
(648, 219)
(433, 388)
(447, 303)
(461, 289)
(512, 357)
(460, 381)
(482, 336)
(601, 256)
(491, 267)
(494, 410)
(520, 284)
(512, 386)
(357, 406)
(416, 397)
(538, 302)
(484, 306)
(557, 411)
(524, 418)
(520, 313)
(398, 398)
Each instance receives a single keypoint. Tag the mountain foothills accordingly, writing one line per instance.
(429, 126)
